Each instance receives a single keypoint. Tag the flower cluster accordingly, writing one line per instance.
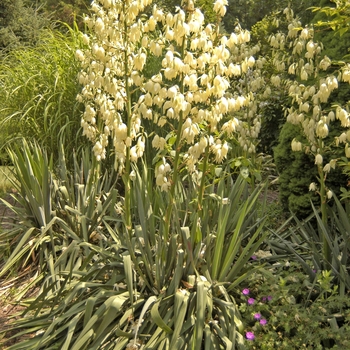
(162, 172)
(310, 108)
(198, 89)
(256, 316)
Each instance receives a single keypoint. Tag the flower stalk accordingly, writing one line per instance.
(323, 197)
(126, 176)
(176, 164)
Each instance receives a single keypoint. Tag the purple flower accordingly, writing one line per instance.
(263, 322)
(245, 291)
(257, 316)
(254, 257)
(251, 301)
(268, 298)
(250, 335)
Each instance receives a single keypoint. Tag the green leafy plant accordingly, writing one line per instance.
(38, 88)
(288, 310)
(123, 291)
(305, 242)
(46, 208)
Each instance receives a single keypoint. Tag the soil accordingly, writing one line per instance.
(7, 216)
(10, 309)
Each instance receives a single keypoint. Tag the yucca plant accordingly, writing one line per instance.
(304, 240)
(51, 210)
(123, 292)
(165, 294)
(195, 273)
(33, 206)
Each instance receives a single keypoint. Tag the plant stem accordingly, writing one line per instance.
(177, 156)
(196, 238)
(126, 176)
(201, 189)
(323, 197)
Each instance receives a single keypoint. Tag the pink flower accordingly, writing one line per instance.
(251, 301)
(257, 316)
(250, 335)
(245, 291)
(263, 322)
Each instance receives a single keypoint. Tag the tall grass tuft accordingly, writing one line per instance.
(38, 88)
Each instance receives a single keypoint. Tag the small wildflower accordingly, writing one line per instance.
(250, 335)
(269, 298)
(254, 257)
(263, 322)
(245, 291)
(257, 316)
(251, 301)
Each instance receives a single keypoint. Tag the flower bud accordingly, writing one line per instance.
(347, 150)
(312, 187)
(296, 145)
(318, 159)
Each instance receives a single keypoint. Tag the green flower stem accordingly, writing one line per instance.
(249, 128)
(177, 157)
(323, 197)
(201, 189)
(126, 176)
(196, 235)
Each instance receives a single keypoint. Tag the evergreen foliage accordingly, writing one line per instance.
(19, 24)
(336, 43)
(296, 172)
(68, 11)
(250, 12)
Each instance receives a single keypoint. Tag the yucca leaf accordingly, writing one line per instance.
(129, 276)
(114, 302)
(21, 248)
(158, 319)
(178, 273)
(201, 296)
(224, 212)
(83, 341)
(158, 333)
(245, 255)
(89, 308)
(108, 317)
(223, 337)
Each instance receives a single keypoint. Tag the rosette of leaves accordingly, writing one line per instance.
(142, 291)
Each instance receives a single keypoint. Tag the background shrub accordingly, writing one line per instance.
(19, 24)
